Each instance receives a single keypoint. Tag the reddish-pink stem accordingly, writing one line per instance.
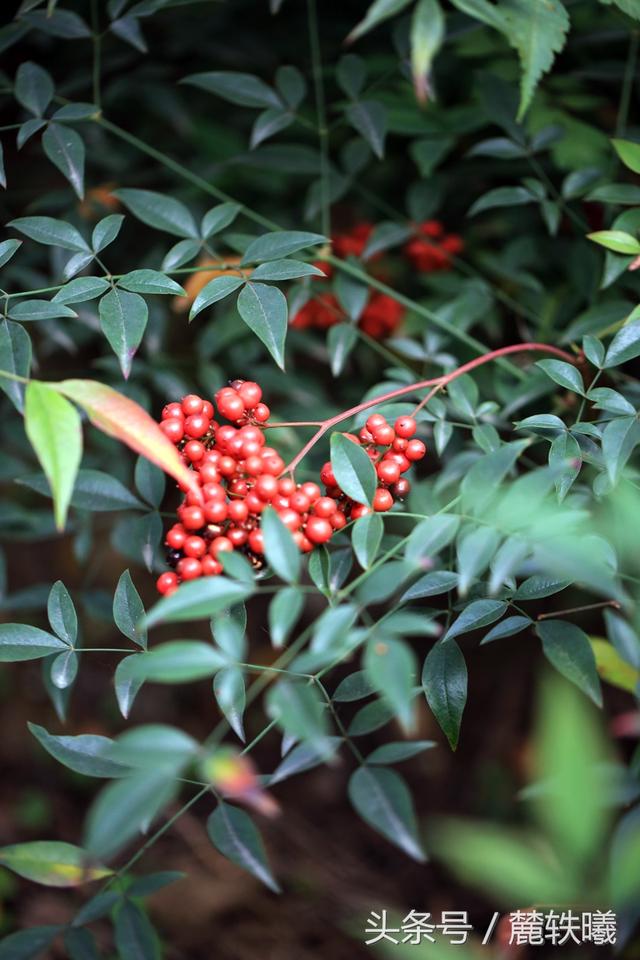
(437, 382)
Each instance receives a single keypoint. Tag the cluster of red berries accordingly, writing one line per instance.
(239, 476)
(429, 250)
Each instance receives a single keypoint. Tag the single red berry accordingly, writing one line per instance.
(286, 486)
(173, 428)
(384, 435)
(253, 466)
(172, 410)
(273, 464)
(311, 490)
(210, 567)
(415, 450)
(399, 458)
(238, 487)
(299, 502)
(231, 407)
(365, 436)
(215, 511)
(375, 421)
(280, 503)
(209, 473)
(237, 510)
(338, 520)
(255, 503)
(238, 536)
(325, 507)
(167, 583)
(196, 426)
(176, 536)
(318, 530)
(207, 409)
(359, 510)
(401, 488)
(327, 475)
(266, 486)
(261, 412)
(194, 450)
(195, 547)
(192, 404)
(291, 519)
(227, 466)
(189, 568)
(250, 448)
(192, 518)
(220, 545)
(225, 434)
(256, 541)
(251, 393)
(388, 471)
(213, 491)
(252, 434)
(405, 427)
(382, 500)
(399, 444)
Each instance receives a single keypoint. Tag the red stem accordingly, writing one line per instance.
(436, 381)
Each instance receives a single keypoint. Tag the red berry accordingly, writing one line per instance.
(382, 500)
(254, 502)
(195, 547)
(286, 486)
(213, 491)
(401, 488)
(172, 410)
(290, 518)
(365, 436)
(273, 464)
(207, 409)
(325, 507)
(192, 518)
(220, 545)
(327, 475)
(318, 530)
(173, 428)
(359, 510)
(261, 412)
(225, 434)
(192, 404)
(384, 435)
(210, 567)
(405, 427)
(237, 510)
(176, 537)
(209, 473)
(189, 568)
(338, 520)
(227, 466)
(196, 426)
(167, 583)
(299, 502)
(215, 511)
(399, 445)
(251, 394)
(238, 536)
(375, 421)
(398, 458)
(253, 466)
(388, 471)
(194, 450)
(252, 434)
(256, 541)
(266, 487)
(231, 407)
(415, 450)
(311, 490)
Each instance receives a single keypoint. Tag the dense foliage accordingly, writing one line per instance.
(333, 339)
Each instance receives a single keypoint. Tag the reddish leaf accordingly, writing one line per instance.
(122, 418)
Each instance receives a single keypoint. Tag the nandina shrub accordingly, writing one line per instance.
(324, 358)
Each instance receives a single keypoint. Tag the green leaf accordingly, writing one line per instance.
(62, 613)
(106, 231)
(568, 649)
(281, 243)
(53, 427)
(243, 89)
(264, 310)
(19, 641)
(507, 628)
(80, 944)
(15, 357)
(87, 754)
(382, 799)
(218, 218)
(280, 548)
(624, 346)
(51, 863)
(7, 250)
(28, 944)
(26, 310)
(366, 536)
(123, 320)
(150, 281)
(284, 611)
(268, 123)
(565, 459)
(159, 211)
(229, 690)
(55, 233)
(629, 153)
(353, 470)
(234, 834)
(182, 252)
(538, 586)
(291, 85)
(341, 339)
(196, 600)
(351, 73)
(371, 717)
(34, 88)
(64, 669)
(377, 12)
(127, 686)
(150, 481)
(215, 290)
(618, 193)
(619, 438)
(76, 111)
(65, 149)
(285, 270)
(501, 197)
(81, 290)
(444, 681)
(432, 584)
(427, 35)
(299, 710)
(392, 667)
(134, 935)
(178, 661)
(478, 613)
(604, 398)
(93, 490)
(305, 756)
(563, 373)
(123, 808)
(475, 551)
(369, 119)
(430, 536)
(616, 240)
(128, 611)
(155, 746)
(537, 31)
(397, 752)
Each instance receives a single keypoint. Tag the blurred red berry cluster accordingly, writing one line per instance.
(239, 475)
(428, 251)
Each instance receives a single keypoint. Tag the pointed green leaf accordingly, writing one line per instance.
(444, 680)
(382, 799)
(234, 834)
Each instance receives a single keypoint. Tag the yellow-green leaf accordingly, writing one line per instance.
(51, 863)
(612, 668)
